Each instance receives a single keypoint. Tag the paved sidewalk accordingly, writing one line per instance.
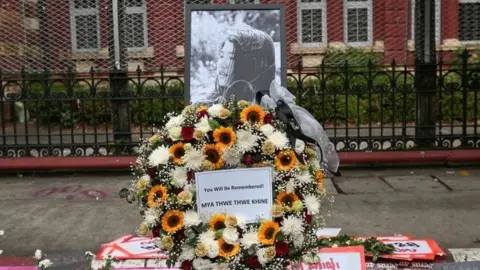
(75, 213)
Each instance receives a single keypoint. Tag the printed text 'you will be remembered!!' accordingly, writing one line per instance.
(234, 202)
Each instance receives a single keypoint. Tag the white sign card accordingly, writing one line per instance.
(239, 192)
(348, 258)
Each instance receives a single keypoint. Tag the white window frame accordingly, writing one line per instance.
(256, 2)
(307, 6)
(74, 12)
(358, 5)
(467, 2)
(438, 21)
(142, 10)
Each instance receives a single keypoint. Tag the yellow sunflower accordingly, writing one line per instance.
(213, 154)
(224, 137)
(285, 160)
(217, 222)
(267, 232)
(172, 221)
(177, 152)
(156, 196)
(320, 178)
(252, 114)
(286, 199)
(227, 250)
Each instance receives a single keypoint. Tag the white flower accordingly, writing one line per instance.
(290, 188)
(299, 146)
(231, 156)
(312, 203)
(279, 139)
(188, 253)
(334, 246)
(241, 222)
(175, 133)
(191, 218)
(206, 237)
(213, 248)
(193, 159)
(1, 251)
(2, 232)
(38, 254)
(44, 264)
(267, 129)
(246, 140)
(175, 121)
(89, 254)
(159, 156)
(220, 266)
(305, 177)
(179, 175)
(203, 125)
(151, 216)
(190, 188)
(262, 256)
(230, 235)
(214, 110)
(292, 225)
(249, 239)
(202, 264)
(146, 178)
(298, 240)
(108, 257)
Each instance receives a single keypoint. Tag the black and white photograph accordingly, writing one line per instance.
(233, 51)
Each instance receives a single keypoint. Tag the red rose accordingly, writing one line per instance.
(278, 220)
(180, 235)
(156, 231)
(202, 113)
(308, 217)
(190, 176)
(247, 159)
(187, 133)
(186, 265)
(253, 262)
(281, 248)
(177, 191)
(152, 172)
(238, 123)
(268, 118)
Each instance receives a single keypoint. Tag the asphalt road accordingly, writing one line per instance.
(75, 213)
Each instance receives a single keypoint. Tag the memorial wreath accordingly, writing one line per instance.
(226, 136)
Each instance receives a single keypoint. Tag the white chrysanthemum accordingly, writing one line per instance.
(249, 239)
(267, 129)
(38, 254)
(188, 253)
(159, 156)
(175, 133)
(179, 177)
(151, 216)
(213, 248)
(262, 256)
(279, 139)
(312, 203)
(231, 156)
(292, 225)
(299, 146)
(298, 240)
(203, 125)
(191, 218)
(304, 177)
(291, 185)
(193, 159)
(206, 237)
(202, 264)
(175, 121)
(230, 235)
(246, 140)
(214, 110)
(44, 264)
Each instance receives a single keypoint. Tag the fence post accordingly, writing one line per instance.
(118, 76)
(425, 73)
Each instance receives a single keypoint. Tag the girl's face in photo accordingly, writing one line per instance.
(225, 63)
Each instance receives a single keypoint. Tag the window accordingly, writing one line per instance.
(438, 20)
(135, 24)
(196, 2)
(84, 25)
(244, 1)
(312, 23)
(469, 20)
(358, 22)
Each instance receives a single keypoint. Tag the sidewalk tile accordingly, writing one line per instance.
(461, 183)
(352, 185)
(415, 183)
(331, 190)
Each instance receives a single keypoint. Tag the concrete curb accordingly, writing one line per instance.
(346, 158)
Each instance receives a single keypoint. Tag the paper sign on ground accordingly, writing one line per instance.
(132, 248)
(328, 232)
(18, 268)
(240, 192)
(414, 249)
(348, 258)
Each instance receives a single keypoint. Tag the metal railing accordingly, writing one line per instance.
(372, 107)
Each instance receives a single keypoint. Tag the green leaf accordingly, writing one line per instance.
(213, 124)
(280, 237)
(219, 233)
